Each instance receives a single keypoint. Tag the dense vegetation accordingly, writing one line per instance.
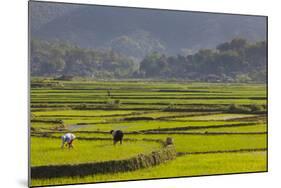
(216, 127)
(237, 60)
(234, 61)
(58, 58)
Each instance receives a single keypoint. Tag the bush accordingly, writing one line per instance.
(234, 108)
(65, 78)
(113, 104)
(43, 84)
(253, 108)
(83, 106)
(117, 102)
(171, 107)
(257, 108)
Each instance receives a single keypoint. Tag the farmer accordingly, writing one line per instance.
(68, 139)
(117, 136)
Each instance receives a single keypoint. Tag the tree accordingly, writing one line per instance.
(236, 44)
(236, 60)
(59, 58)
(150, 64)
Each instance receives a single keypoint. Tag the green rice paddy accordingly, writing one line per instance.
(209, 138)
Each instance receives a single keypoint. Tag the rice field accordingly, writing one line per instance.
(216, 128)
(46, 151)
(192, 165)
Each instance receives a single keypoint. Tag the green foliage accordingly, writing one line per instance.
(171, 107)
(252, 108)
(137, 44)
(236, 44)
(243, 78)
(235, 61)
(234, 108)
(153, 64)
(113, 104)
(60, 58)
(83, 106)
(257, 108)
(64, 78)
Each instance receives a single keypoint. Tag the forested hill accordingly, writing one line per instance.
(235, 61)
(137, 32)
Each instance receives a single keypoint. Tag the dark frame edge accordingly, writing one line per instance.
(29, 184)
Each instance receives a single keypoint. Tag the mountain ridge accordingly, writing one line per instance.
(96, 26)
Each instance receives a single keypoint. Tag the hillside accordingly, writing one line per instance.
(140, 30)
(43, 13)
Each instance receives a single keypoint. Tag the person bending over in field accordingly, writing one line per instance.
(117, 136)
(67, 140)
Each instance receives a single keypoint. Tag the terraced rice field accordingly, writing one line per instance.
(45, 151)
(210, 135)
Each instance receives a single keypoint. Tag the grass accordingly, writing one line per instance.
(151, 101)
(190, 107)
(217, 117)
(47, 151)
(196, 143)
(79, 113)
(43, 125)
(243, 129)
(193, 143)
(189, 165)
(148, 125)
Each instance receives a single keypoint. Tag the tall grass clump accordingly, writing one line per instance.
(253, 108)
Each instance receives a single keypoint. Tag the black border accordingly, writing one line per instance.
(158, 9)
(29, 96)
